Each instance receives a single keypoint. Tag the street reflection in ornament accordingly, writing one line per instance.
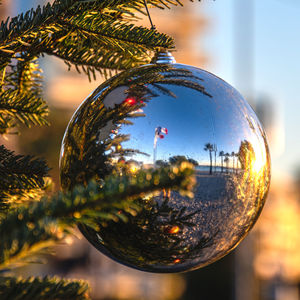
(161, 114)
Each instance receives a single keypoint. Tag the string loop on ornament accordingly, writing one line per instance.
(148, 13)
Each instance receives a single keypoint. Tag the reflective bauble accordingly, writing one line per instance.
(159, 114)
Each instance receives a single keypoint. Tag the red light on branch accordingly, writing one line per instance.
(130, 101)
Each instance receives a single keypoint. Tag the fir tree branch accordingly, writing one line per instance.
(43, 30)
(25, 107)
(33, 228)
(26, 240)
(42, 289)
(21, 91)
(21, 25)
(10, 200)
(19, 175)
(24, 76)
(36, 25)
(6, 123)
(116, 32)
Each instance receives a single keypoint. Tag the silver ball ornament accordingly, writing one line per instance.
(165, 113)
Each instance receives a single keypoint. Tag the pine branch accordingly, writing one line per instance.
(11, 201)
(25, 241)
(11, 32)
(6, 123)
(106, 44)
(116, 32)
(26, 107)
(45, 30)
(33, 228)
(21, 91)
(36, 25)
(41, 289)
(24, 75)
(19, 175)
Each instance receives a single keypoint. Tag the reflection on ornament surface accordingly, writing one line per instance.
(160, 114)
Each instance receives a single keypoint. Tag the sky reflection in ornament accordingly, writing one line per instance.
(160, 114)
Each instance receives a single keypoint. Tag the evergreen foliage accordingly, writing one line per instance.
(92, 36)
(41, 289)
(48, 220)
(21, 177)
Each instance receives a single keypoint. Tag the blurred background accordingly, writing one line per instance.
(255, 46)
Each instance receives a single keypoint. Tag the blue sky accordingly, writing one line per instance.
(276, 61)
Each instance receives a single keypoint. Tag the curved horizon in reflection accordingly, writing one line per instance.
(164, 114)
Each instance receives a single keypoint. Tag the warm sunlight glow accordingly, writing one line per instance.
(260, 157)
(174, 229)
(133, 168)
(258, 164)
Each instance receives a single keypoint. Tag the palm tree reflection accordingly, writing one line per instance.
(221, 154)
(210, 148)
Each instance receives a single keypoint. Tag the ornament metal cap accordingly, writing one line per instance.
(163, 56)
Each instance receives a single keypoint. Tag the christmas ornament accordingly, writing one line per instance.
(165, 113)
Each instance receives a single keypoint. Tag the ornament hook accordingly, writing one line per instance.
(148, 13)
(163, 56)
